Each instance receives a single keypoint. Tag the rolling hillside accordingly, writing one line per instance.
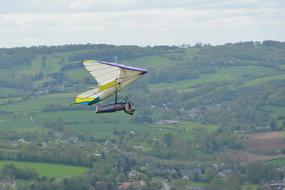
(197, 83)
(198, 106)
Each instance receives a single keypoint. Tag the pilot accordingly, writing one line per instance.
(126, 106)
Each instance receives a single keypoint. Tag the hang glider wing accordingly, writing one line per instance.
(111, 77)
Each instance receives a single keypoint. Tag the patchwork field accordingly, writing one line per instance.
(244, 156)
(219, 96)
(270, 142)
(28, 116)
(261, 80)
(278, 161)
(223, 74)
(266, 146)
(48, 170)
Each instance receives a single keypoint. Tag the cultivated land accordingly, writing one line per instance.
(264, 146)
(245, 156)
(266, 142)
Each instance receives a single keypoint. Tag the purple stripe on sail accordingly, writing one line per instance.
(122, 66)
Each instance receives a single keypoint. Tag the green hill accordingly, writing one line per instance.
(194, 109)
(245, 79)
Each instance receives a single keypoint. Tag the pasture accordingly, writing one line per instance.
(223, 74)
(103, 125)
(48, 170)
(249, 187)
(264, 79)
(28, 116)
(278, 161)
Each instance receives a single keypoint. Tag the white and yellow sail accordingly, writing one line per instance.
(110, 77)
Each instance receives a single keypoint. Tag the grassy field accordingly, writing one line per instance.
(19, 122)
(20, 116)
(186, 129)
(98, 125)
(7, 91)
(9, 100)
(279, 162)
(227, 74)
(103, 125)
(48, 170)
(264, 79)
(27, 116)
(36, 104)
(249, 187)
(198, 184)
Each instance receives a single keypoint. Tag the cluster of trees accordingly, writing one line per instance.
(108, 52)
(267, 53)
(10, 170)
(254, 173)
(68, 149)
(19, 58)
(245, 110)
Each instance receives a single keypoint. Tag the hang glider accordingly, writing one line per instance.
(111, 78)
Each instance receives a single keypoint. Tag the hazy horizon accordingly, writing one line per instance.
(192, 44)
(137, 22)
